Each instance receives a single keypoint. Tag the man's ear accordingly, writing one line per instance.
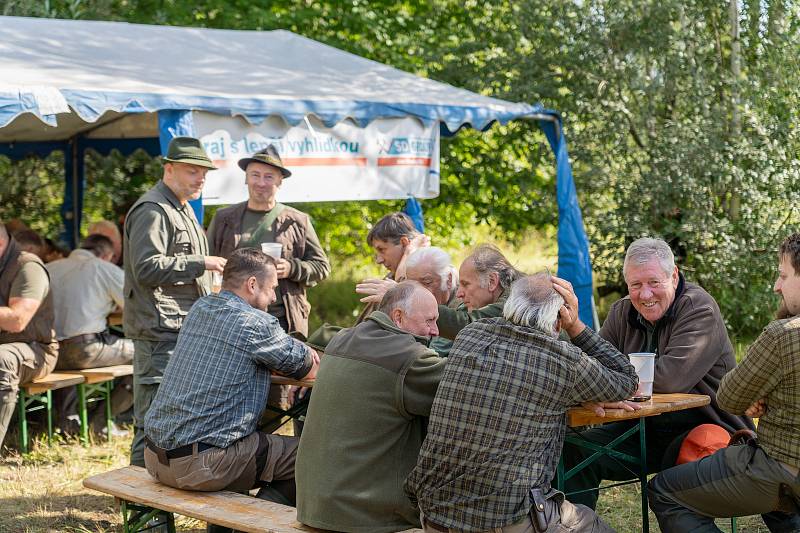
(404, 241)
(396, 316)
(449, 281)
(494, 281)
(252, 284)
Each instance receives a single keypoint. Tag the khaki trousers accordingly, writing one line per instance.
(244, 465)
(565, 517)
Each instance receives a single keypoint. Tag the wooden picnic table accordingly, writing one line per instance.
(658, 404)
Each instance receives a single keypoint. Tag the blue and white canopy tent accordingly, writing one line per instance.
(75, 85)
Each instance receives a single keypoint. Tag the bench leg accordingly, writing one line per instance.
(109, 387)
(733, 524)
(49, 406)
(135, 517)
(23, 421)
(83, 413)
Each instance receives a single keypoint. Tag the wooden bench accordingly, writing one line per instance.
(141, 497)
(38, 394)
(97, 385)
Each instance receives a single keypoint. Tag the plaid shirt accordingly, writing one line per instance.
(215, 385)
(498, 421)
(771, 370)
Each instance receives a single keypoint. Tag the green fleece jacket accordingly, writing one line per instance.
(451, 321)
(364, 428)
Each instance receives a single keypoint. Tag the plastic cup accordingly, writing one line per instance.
(272, 249)
(216, 282)
(645, 365)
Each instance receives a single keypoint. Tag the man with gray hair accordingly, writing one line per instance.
(681, 323)
(485, 278)
(366, 419)
(492, 449)
(432, 268)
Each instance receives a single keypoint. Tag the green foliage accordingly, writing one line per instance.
(677, 127)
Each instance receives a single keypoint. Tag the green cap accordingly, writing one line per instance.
(188, 150)
(268, 156)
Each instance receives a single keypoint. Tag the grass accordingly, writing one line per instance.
(41, 492)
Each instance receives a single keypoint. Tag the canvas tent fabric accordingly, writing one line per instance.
(71, 85)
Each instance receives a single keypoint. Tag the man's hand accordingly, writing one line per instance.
(420, 241)
(758, 409)
(282, 267)
(599, 408)
(215, 264)
(569, 311)
(374, 289)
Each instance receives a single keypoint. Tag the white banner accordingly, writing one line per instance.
(389, 159)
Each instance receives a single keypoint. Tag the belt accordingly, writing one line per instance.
(434, 525)
(88, 337)
(165, 455)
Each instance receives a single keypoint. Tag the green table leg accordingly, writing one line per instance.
(562, 475)
(643, 477)
(24, 403)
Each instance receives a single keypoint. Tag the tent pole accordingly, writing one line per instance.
(76, 203)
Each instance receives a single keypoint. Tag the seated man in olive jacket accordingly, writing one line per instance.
(681, 323)
(366, 419)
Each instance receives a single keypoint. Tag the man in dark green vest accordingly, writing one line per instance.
(367, 417)
(167, 267)
(28, 345)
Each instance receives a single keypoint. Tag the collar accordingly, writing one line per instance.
(383, 320)
(83, 254)
(636, 320)
(167, 193)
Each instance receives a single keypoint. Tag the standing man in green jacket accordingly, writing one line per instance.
(366, 419)
(261, 219)
(167, 267)
(761, 475)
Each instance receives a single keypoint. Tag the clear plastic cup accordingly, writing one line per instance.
(645, 365)
(216, 282)
(272, 249)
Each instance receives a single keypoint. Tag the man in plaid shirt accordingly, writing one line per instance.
(760, 476)
(498, 421)
(200, 431)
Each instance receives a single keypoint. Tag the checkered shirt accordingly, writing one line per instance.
(216, 383)
(498, 421)
(771, 371)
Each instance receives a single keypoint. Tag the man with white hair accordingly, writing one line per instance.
(681, 323)
(366, 419)
(431, 267)
(483, 282)
(491, 452)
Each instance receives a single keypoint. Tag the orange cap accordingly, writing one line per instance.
(703, 440)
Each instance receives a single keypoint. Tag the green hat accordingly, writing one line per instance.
(268, 156)
(188, 150)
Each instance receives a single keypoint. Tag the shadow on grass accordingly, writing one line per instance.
(76, 512)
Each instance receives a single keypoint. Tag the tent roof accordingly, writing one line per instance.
(104, 71)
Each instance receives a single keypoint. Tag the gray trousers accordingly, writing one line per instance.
(739, 480)
(150, 359)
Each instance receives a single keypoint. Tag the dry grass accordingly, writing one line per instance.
(42, 492)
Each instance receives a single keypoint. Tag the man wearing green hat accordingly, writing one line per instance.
(167, 267)
(261, 219)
